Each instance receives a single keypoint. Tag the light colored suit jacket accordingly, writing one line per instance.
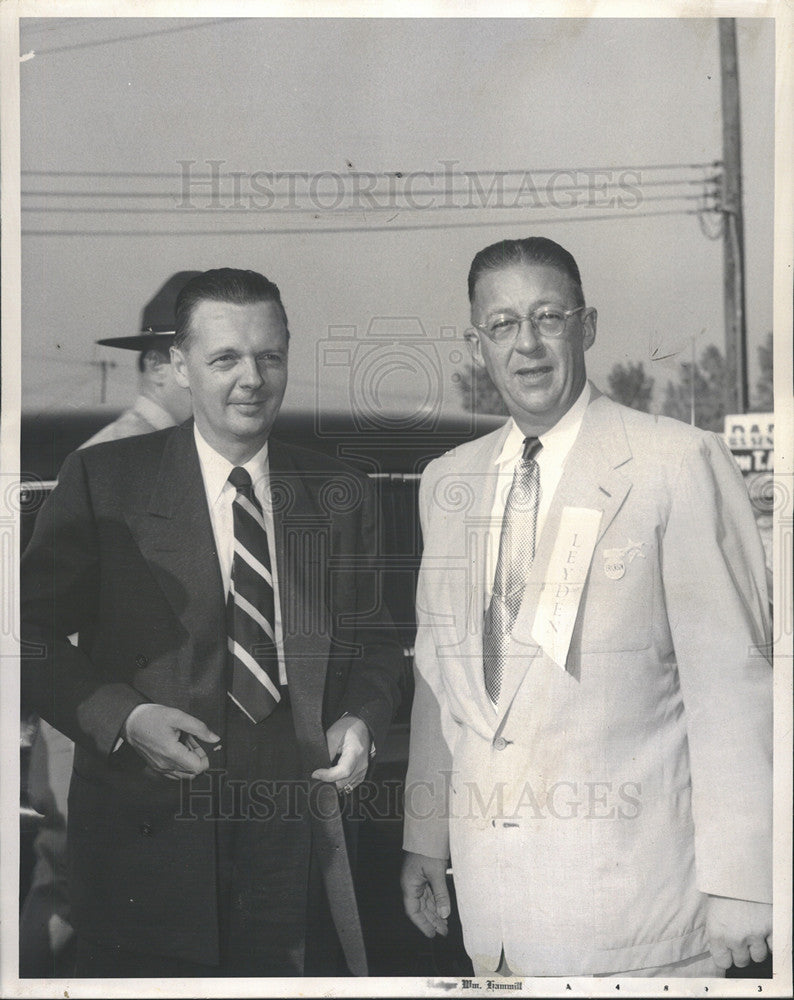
(588, 815)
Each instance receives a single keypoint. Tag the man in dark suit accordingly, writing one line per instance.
(235, 667)
(46, 936)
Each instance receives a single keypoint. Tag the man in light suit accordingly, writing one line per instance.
(591, 730)
(205, 834)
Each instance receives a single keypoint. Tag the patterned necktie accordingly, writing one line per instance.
(250, 608)
(516, 552)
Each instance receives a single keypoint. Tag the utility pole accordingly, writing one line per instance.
(103, 367)
(733, 224)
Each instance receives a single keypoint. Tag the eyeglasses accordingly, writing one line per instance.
(503, 328)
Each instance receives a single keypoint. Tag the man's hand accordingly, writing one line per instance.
(166, 739)
(348, 738)
(738, 930)
(425, 895)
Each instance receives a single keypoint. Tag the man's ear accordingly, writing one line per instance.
(472, 338)
(153, 365)
(589, 327)
(179, 367)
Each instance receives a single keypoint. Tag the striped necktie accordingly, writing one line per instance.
(251, 608)
(516, 553)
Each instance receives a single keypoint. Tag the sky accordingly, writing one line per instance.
(121, 116)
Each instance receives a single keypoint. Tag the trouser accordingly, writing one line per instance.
(273, 916)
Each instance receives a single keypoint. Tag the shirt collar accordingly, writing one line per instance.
(153, 413)
(558, 438)
(215, 468)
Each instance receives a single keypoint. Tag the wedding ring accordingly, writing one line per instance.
(347, 789)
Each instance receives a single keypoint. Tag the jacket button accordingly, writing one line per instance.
(146, 830)
(141, 661)
(499, 743)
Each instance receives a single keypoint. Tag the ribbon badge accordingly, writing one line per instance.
(615, 560)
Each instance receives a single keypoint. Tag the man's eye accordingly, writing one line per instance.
(502, 323)
(223, 359)
(548, 316)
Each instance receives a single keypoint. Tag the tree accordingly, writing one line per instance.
(763, 400)
(477, 391)
(709, 390)
(631, 386)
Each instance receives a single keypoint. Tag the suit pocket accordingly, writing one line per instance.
(645, 871)
(617, 608)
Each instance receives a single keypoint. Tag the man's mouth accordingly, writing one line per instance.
(533, 373)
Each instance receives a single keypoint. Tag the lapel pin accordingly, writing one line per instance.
(615, 559)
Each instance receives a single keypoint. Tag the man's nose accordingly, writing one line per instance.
(527, 339)
(250, 374)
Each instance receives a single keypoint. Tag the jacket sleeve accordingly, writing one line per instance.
(717, 607)
(427, 784)
(372, 690)
(60, 577)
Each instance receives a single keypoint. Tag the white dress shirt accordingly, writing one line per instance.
(220, 493)
(557, 443)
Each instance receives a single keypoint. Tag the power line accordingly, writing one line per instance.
(391, 174)
(414, 192)
(351, 210)
(335, 230)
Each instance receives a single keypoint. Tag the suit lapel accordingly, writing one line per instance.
(464, 544)
(595, 477)
(175, 536)
(173, 531)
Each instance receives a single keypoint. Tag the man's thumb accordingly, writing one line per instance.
(195, 727)
(438, 883)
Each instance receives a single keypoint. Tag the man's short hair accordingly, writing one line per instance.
(530, 250)
(223, 284)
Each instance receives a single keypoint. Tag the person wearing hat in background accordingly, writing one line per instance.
(45, 932)
(161, 401)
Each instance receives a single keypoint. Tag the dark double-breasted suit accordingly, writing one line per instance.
(123, 554)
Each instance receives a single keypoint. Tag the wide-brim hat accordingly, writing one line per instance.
(158, 318)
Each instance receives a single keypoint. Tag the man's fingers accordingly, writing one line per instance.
(721, 955)
(179, 758)
(190, 724)
(195, 747)
(342, 770)
(438, 884)
(425, 895)
(176, 760)
(417, 917)
(737, 930)
(417, 912)
(431, 909)
(167, 739)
